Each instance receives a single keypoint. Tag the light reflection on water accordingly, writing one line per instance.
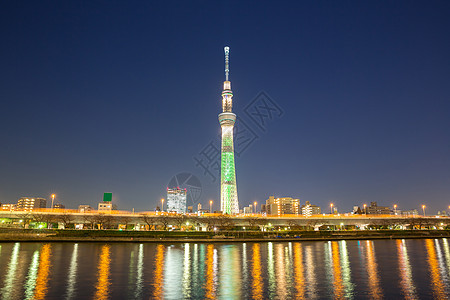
(406, 283)
(187, 271)
(209, 285)
(257, 284)
(275, 270)
(10, 277)
(337, 273)
(299, 277)
(72, 278)
(447, 254)
(103, 281)
(140, 273)
(32, 275)
(280, 271)
(310, 273)
(372, 268)
(270, 270)
(173, 273)
(346, 270)
(159, 269)
(436, 280)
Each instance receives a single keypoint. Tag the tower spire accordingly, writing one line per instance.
(227, 68)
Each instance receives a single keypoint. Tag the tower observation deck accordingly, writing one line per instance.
(228, 190)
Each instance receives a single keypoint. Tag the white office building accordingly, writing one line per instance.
(176, 200)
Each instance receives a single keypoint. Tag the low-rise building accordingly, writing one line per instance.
(282, 206)
(106, 206)
(309, 209)
(84, 208)
(409, 213)
(203, 211)
(356, 210)
(31, 203)
(263, 209)
(9, 207)
(248, 209)
(374, 209)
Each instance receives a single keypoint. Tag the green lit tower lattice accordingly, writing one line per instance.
(228, 190)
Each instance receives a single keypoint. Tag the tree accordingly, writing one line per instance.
(104, 221)
(294, 224)
(89, 220)
(66, 219)
(225, 222)
(125, 220)
(381, 223)
(180, 220)
(43, 218)
(164, 220)
(210, 221)
(149, 220)
(312, 223)
(194, 220)
(416, 222)
(252, 222)
(263, 222)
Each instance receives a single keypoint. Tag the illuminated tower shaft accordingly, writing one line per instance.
(228, 190)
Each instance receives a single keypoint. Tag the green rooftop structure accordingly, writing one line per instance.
(107, 197)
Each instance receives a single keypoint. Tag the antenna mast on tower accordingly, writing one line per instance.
(227, 60)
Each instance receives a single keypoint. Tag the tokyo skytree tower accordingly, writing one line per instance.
(228, 191)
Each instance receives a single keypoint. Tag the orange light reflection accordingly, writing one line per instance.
(436, 280)
(337, 273)
(257, 279)
(280, 271)
(102, 287)
(209, 288)
(298, 265)
(44, 270)
(374, 280)
(159, 268)
(406, 282)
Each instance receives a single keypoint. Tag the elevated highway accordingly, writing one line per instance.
(141, 220)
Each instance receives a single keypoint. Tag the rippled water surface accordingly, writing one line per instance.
(391, 269)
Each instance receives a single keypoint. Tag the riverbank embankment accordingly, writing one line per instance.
(58, 235)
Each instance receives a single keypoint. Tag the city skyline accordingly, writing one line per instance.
(121, 97)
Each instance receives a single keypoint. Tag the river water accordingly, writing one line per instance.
(365, 269)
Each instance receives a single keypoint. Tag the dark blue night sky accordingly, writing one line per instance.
(119, 96)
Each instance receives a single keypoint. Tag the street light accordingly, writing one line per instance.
(162, 204)
(395, 209)
(423, 208)
(331, 208)
(53, 199)
(210, 206)
(254, 204)
(365, 211)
